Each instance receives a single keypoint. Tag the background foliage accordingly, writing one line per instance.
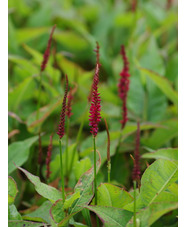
(150, 37)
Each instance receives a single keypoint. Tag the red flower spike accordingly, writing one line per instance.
(136, 170)
(47, 51)
(69, 104)
(48, 158)
(123, 85)
(61, 127)
(97, 63)
(95, 107)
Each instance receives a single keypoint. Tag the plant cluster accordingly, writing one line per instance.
(83, 141)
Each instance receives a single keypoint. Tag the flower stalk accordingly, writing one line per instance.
(61, 132)
(108, 151)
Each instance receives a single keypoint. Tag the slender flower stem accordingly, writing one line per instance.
(134, 218)
(67, 136)
(62, 175)
(109, 170)
(39, 95)
(95, 175)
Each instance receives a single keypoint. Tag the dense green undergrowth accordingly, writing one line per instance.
(150, 37)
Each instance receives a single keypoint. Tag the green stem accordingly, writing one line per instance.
(95, 177)
(134, 219)
(62, 175)
(39, 95)
(109, 170)
(67, 136)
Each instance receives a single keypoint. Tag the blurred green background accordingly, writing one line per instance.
(149, 33)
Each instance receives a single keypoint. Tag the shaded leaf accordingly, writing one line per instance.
(18, 153)
(44, 190)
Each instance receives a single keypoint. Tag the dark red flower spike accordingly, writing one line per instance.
(61, 127)
(95, 108)
(123, 86)
(47, 51)
(69, 104)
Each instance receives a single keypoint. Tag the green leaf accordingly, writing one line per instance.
(44, 190)
(113, 196)
(81, 166)
(156, 179)
(41, 214)
(57, 211)
(163, 84)
(85, 187)
(24, 223)
(13, 214)
(152, 213)
(68, 202)
(111, 216)
(12, 190)
(167, 153)
(18, 153)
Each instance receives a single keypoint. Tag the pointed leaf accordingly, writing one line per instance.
(44, 190)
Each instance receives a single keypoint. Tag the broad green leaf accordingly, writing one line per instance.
(25, 224)
(27, 34)
(44, 190)
(163, 84)
(167, 153)
(41, 214)
(57, 211)
(21, 93)
(152, 213)
(12, 190)
(13, 214)
(173, 188)
(85, 187)
(156, 179)
(18, 153)
(113, 196)
(111, 216)
(81, 166)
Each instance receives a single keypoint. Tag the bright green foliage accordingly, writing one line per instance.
(12, 190)
(167, 153)
(155, 180)
(19, 152)
(111, 216)
(44, 190)
(110, 195)
(13, 214)
(68, 202)
(24, 223)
